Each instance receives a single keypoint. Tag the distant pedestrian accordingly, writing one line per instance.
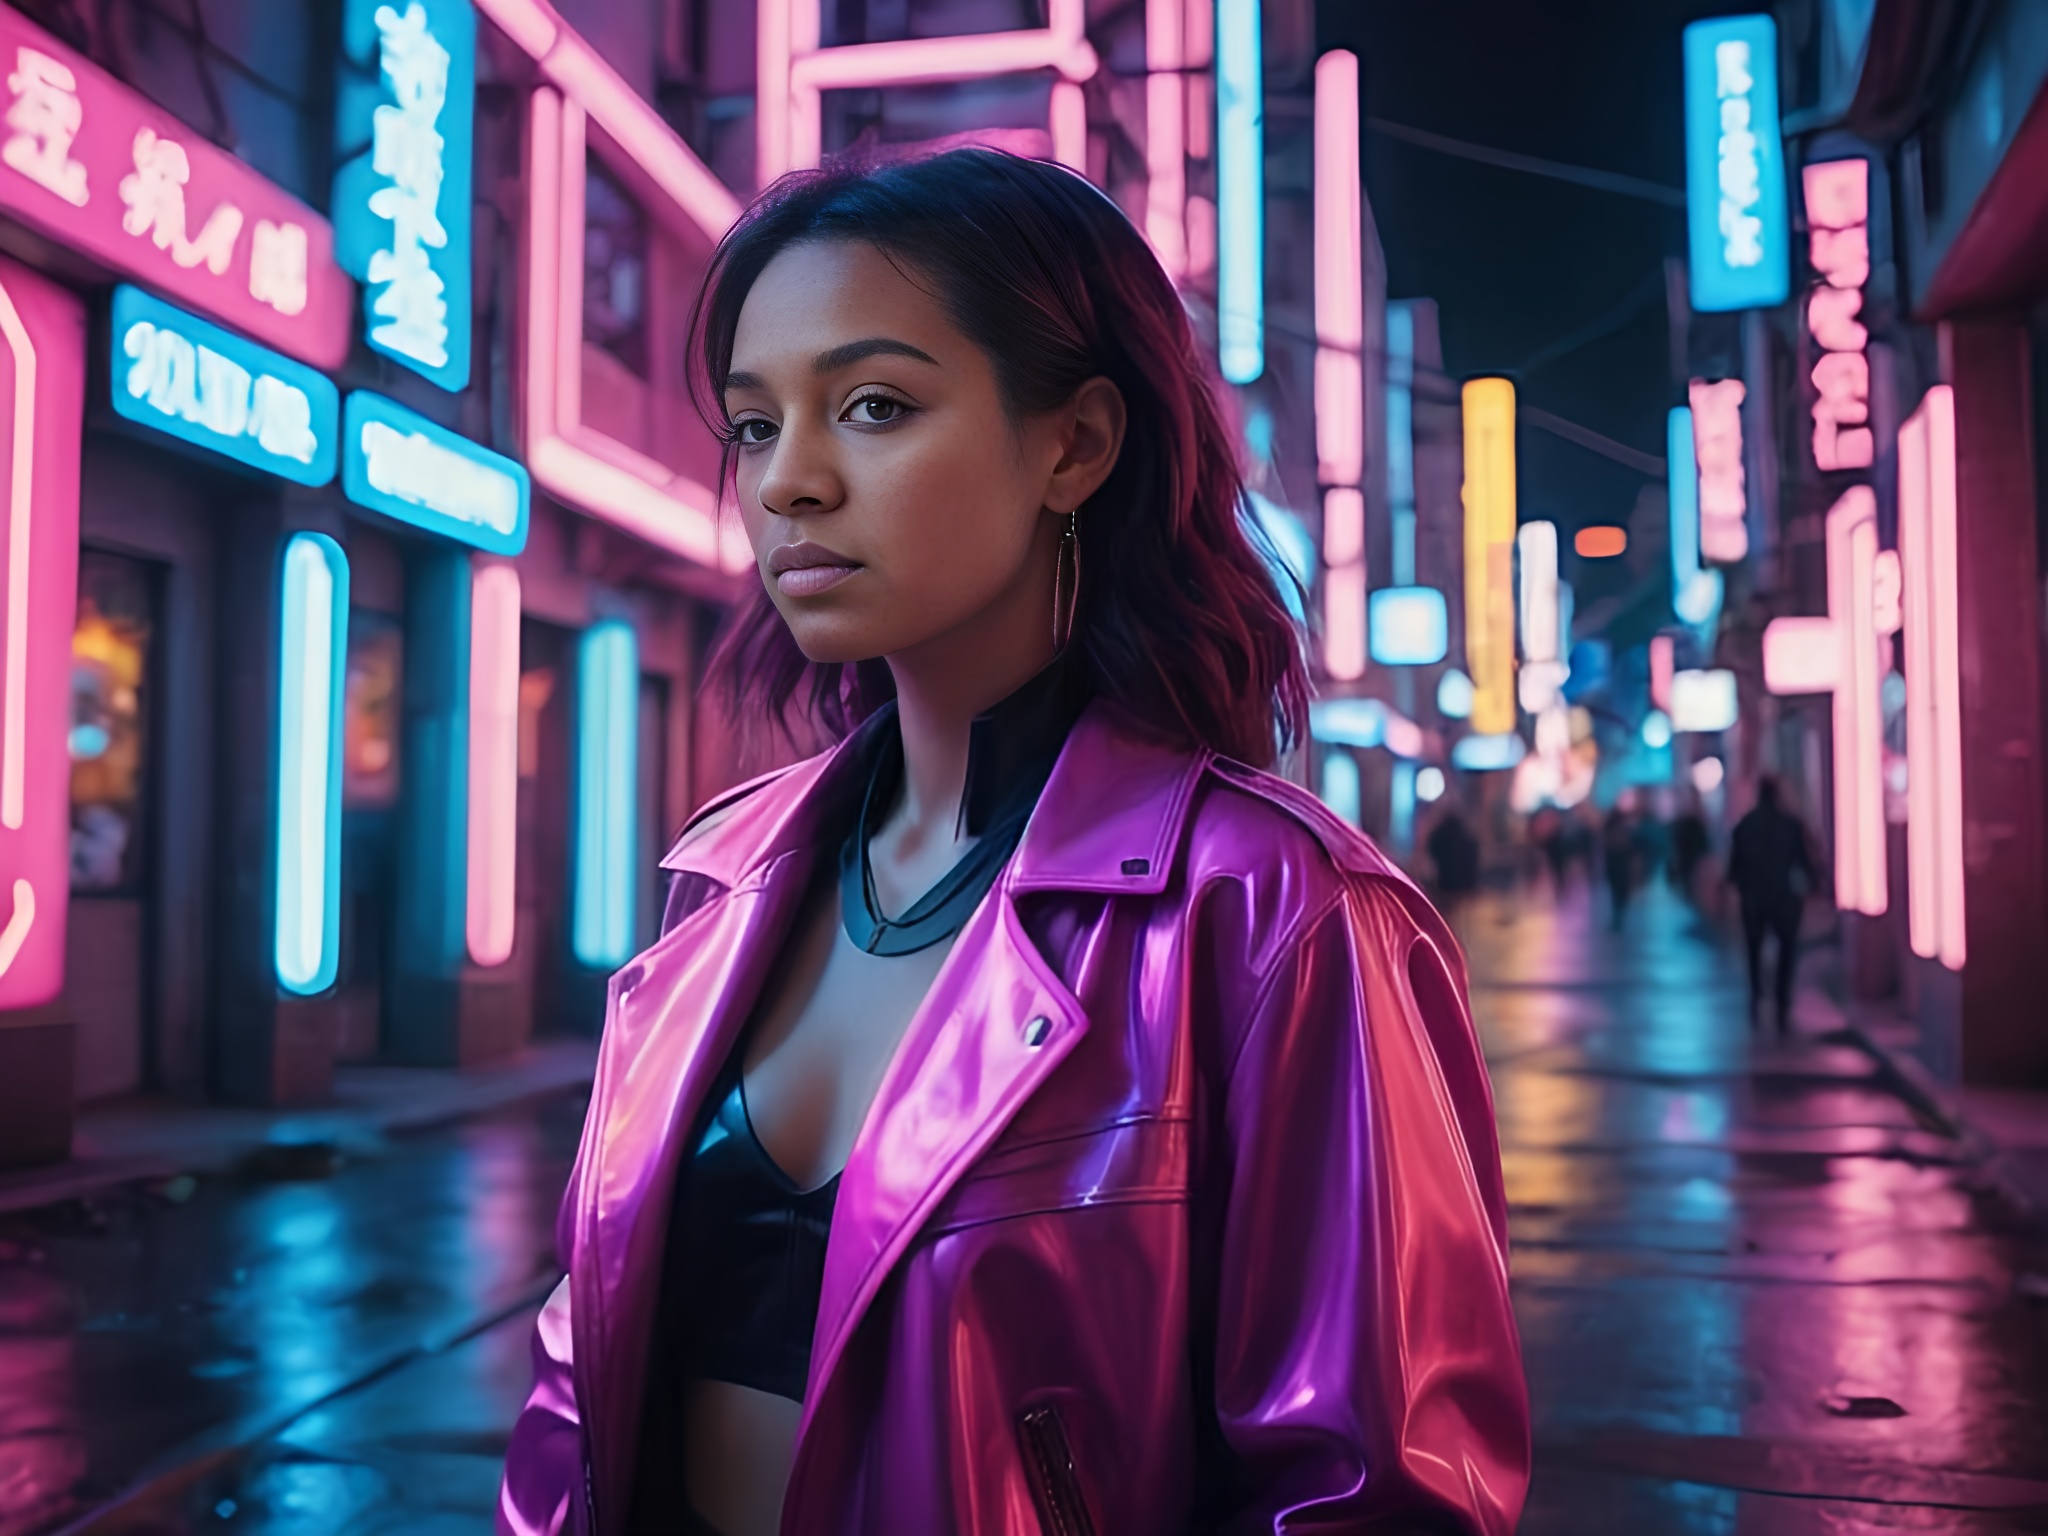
(1455, 853)
(1690, 844)
(1772, 871)
(1618, 847)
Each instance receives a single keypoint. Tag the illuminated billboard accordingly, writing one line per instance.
(1735, 165)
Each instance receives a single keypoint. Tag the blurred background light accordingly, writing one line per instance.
(314, 633)
(608, 706)
(1429, 784)
(1410, 626)
(1454, 695)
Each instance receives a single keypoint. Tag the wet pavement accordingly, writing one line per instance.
(1757, 1293)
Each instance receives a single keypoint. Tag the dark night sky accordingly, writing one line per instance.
(1518, 262)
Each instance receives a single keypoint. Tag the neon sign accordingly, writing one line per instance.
(1695, 593)
(1339, 362)
(1543, 671)
(42, 357)
(1734, 165)
(1410, 626)
(92, 164)
(1240, 192)
(492, 906)
(399, 463)
(1717, 445)
(314, 635)
(1934, 699)
(1344, 610)
(176, 373)
(1489, 406)
(403, 200)
(607, 730)
(1838, 215)
(1703, 701)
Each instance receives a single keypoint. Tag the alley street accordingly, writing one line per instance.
(1757, 1293)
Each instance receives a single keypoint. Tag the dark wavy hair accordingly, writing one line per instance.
(1180, 620)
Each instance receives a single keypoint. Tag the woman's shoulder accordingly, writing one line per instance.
(1252, 822)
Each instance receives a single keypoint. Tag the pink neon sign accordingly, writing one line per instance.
(42, 402)
(1838, 220)
(1860, 874)
(1934, 717)
(1340, 273)
(97, 168)
(1717, 446)
(493, 762)
(793, 73)
(1344, 603)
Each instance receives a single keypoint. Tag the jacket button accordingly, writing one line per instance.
(1036, 1031)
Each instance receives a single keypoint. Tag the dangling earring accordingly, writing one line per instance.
(1066, 591)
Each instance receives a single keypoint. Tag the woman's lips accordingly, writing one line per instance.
(810, 580)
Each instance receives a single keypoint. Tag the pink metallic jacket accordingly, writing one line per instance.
(1178, 1210)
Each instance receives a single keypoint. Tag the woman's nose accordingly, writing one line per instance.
(800, 476)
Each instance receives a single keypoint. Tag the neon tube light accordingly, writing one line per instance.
(1344, 632)
(608, 708)
(1240, 192)
(1695, 593)
(1934, 718)
(1166, 178)
(1401, 440)
(492, 905)
(1489, 406)
(1860, 875)
(1663, 666)
(1734, 165)
(314, 635)
(1717, 443)
(1341, 786)
(1838, 216)
(21, 480)
(1410, 626)
(1339, 274)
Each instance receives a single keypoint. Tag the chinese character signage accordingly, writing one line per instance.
(174, 372)
(99, 169)
(42, 407)
(1838, 218)
(399, 463)
(401, 199)
(1735, 164)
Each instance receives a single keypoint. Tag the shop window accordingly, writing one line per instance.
(373, 710)
(110, 655)
(614, 269)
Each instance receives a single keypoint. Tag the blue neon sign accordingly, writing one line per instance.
(179, 374)
(1408, 626)
(313, 654)
(401, 197)
(1695, 593)
(1735, 165)
(397, 462)
(607, 748)
(1240, 193)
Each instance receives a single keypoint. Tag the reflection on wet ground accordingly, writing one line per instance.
(146, 1335)
(1757, 1295)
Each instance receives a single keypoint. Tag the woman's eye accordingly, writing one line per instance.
(753, 431)
(876, 411)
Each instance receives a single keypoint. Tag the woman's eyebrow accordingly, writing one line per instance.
(852, 352)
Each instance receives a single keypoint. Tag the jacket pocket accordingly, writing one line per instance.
(1049, 1463)
(1143, 1160)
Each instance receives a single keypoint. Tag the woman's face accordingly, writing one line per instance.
(891, 500)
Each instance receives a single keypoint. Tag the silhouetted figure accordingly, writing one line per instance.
(1618, 846)
(1771, 870)
(1455, 852)
(1690, 844)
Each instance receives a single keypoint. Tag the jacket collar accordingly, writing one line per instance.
(1108, 819)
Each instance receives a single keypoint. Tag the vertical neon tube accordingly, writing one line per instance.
(314, 644)
(1166, 180)
(1401, 439)
(1240, 192)
(607, 747)
(1860, 874)
(493, 763)
(1344, 631)
(1340, 274)
(1489, 406)
(1934, 788)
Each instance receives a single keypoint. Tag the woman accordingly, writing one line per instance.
(1033, 1117)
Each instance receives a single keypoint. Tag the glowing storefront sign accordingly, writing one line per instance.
(42, 360)
(607, 732)
(1934, 699)
(403, 202)
(1734, 165)
(1344, 610)
(1240, 192)
(492, 905)
(399, 463)
(176, 373)
(313, 634)
(1717, 443)
(1489, 406)
(1703, 702)
(1838, 215)
(1411, 626)
(95, 166)
(1695, 593)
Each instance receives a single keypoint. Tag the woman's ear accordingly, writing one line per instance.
(1094, 438)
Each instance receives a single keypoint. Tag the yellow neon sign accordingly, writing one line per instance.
(1490, 553)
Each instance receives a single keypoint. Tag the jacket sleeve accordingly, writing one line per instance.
(543, 1481)
(1367, 1372)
